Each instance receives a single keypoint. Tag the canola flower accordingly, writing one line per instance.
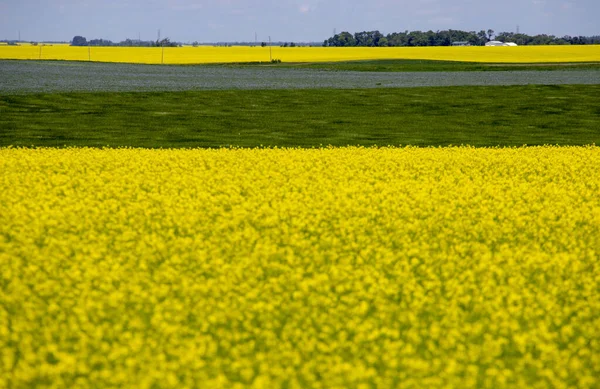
(209, 54)
(324, 268)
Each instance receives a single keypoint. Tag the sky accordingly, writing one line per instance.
(285, 20)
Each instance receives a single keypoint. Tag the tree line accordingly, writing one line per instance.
(543, 39)
(82, 41)
(448, 37)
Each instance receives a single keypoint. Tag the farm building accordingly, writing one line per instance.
(466, 43)
(498, 43)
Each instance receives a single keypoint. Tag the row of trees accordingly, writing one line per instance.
(82, 41)
(377, 39)
(543, 39)
(447, 37)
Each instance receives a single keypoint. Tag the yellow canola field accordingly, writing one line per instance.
(323, 268)
(206, 54)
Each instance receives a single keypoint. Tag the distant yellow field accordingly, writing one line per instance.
(203, 54)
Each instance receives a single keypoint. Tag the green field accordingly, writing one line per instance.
(412, 65)
(478, 116)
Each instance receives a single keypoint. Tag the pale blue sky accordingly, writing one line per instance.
(285, 20)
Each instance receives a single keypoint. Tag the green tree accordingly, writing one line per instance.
(482, 37)
(79, 40)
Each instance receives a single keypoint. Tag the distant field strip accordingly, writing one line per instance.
(49, 77)
(209, 54)
(286, 268)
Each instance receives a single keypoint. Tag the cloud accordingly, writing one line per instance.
(566, 5)
(304, 8)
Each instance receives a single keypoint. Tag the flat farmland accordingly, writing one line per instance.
(359, 224)
(19, 77)
(477, 116)
(210, 54)
(332, 267)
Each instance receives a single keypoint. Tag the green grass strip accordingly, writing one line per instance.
(478, 116)
(415, 65)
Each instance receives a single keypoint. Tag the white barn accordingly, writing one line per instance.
(498, 43)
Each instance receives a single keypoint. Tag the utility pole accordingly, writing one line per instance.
(162, 49)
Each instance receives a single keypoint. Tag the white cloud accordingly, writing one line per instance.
(304, 8)
(567, 5)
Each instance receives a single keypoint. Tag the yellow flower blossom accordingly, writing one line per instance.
(324, 268)
(210, 54)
